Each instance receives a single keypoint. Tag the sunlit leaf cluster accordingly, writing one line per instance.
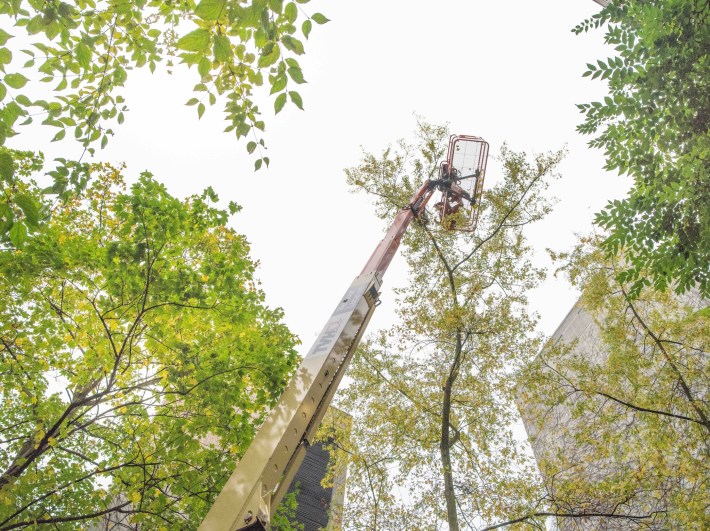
(86, 50)
(22, 207)
(65, 65)
(655, 127)
(137, 357)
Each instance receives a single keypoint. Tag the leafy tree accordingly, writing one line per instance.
(655, 127)
(621, 415)
(85, 50)
(284, 518)
(136, 357)
(433, 397)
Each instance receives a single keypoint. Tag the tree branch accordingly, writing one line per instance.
(573, 515)
(684, 386)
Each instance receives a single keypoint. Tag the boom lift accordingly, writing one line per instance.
(263, 475)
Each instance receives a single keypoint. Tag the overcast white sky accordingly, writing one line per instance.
(513, 72)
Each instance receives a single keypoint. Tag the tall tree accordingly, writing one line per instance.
(621, 413)
(654, 126)
(433, 397)
(136, 357)
(84, 51)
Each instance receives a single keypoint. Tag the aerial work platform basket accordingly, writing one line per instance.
(460, 181)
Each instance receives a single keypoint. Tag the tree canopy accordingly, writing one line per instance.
(655, 127)
(620, 415)
(433, 397)
(81, 54)
(137, 357)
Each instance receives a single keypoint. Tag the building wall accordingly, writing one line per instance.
(553, 429)
(314, 501)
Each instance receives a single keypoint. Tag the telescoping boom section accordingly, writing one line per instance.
(263, 475)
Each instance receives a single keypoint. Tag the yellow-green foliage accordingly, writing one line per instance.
(637, 393)
(433, 397)
(136, 358)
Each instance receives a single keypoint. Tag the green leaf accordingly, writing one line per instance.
(195, 41)
(210, 9)
(200, 110)
(222, 49)
(279, 103)
(319, 18)
(11, 113)
(4, 36)
(270, 57)
(257, 164)
(291, 12)
(65, 10)
(35, 25)
(18, 234)
(192, 101)
(5, 56)
(119, 76)
(7, 166)
(279, 83)
(292, 44)
(296, 99)
(16, 81)
(251, 146)
(83, 55)
(296, 74)
(29, 207)
(3, 91)
(306, 28)
(204, 67)
(23, 100)
(243, 129)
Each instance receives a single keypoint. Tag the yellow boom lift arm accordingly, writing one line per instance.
(263, 475)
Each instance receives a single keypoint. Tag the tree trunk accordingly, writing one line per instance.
(445, 448)
(447, 442)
